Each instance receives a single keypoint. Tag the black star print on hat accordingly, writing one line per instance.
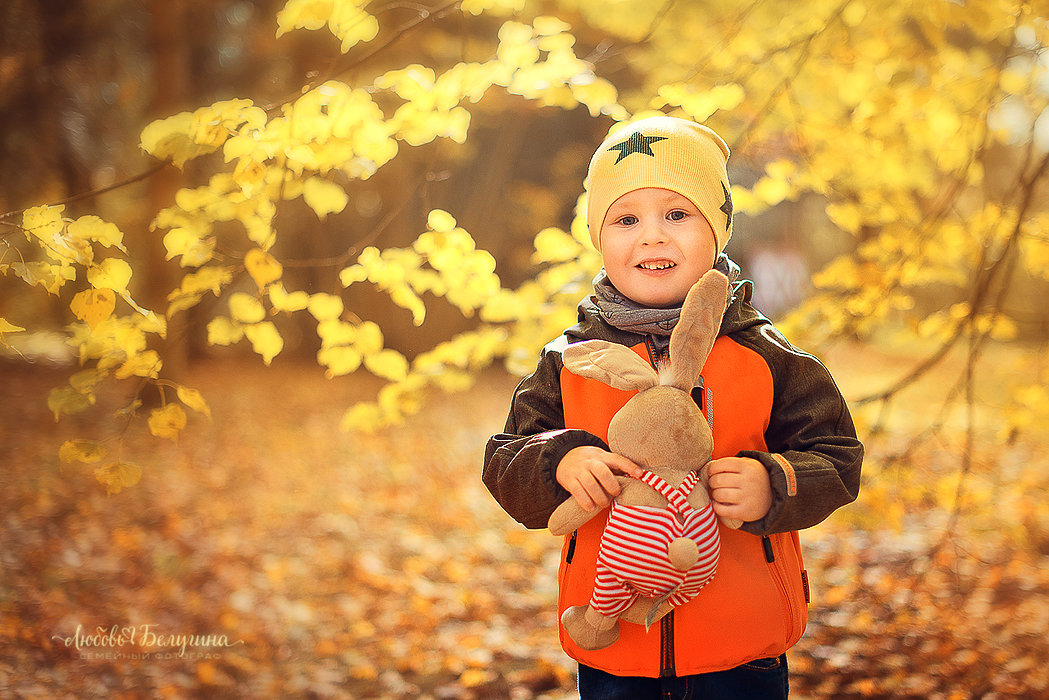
(727, 207)
(636, 144)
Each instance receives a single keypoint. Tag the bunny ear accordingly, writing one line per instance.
(610, 363)
(697, 328)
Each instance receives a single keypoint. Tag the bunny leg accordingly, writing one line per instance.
(590, 629)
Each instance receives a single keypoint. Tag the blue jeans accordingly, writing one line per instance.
(762, 679)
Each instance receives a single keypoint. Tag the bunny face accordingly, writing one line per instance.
(663, 430)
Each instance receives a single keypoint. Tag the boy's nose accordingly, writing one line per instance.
(653, 233)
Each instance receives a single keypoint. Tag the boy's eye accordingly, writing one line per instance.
(677, 215)
(628, 220)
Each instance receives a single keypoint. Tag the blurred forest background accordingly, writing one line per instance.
(269, 272)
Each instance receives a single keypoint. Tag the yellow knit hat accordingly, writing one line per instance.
(665, 152)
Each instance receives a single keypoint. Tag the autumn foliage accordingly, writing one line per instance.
(904, 145)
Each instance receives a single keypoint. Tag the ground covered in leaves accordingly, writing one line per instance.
(268, 555)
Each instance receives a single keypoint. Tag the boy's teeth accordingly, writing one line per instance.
(656, 265)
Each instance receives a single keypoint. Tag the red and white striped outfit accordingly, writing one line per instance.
(633, 560)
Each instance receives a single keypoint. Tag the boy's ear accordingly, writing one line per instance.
(697, 328)
(611, 363)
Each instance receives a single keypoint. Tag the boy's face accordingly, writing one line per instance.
(656, 245)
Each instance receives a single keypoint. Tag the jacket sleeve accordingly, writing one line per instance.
(813, 456)
(520, 463)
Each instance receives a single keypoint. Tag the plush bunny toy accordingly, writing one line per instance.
(661, 543)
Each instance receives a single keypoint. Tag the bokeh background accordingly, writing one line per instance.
(889, 168)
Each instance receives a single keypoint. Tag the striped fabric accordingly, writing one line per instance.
(633, 560)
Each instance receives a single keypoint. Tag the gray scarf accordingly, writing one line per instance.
(627, 315)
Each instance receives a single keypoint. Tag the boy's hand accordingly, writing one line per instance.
(589, 474)
(740, 488)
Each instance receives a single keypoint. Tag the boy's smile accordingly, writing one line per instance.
(656, 244)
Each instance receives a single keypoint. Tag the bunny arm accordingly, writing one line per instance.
(570, 516)
(609, 363)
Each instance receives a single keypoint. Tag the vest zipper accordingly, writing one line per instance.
(571, 547)
(666, 646)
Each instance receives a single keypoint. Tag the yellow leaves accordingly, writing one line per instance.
(188, 135)
(116, 476)
(346, 19)
(700, 104)
(167, 421)
(265, 340)
(143, 364)
(193, 243)
(245, 308)
(324, 197)
(44, 222)
(8, 327)
(86, 451)
(387, 364)
(194, 399)
(554, 245)
(440, 221)
(352, 25)
(325, 307)
(499, 7)
(262, 267)
(222, 331)
(92, 306)
(92, 228)
(282, 300)
(111, 273)
(195, 285)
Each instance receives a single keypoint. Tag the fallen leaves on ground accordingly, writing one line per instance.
(290, 559)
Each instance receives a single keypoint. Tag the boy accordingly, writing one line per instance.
(785, 449)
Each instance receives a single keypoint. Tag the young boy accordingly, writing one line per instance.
(785, 449)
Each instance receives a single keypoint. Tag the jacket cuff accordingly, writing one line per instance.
(784, 484)
(556, 445)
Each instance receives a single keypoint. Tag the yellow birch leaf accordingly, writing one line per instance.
(92, 228)
(262, 267)
(404, 297)
(246, 308)
(191, 245)
(388, 364)
(303, 14)
(170, 138)
(369, 338)
(92, 306)
(265, 340)
(8, 327)
(339, 360)
(143, 364)
(67, 400)
(324, 197)
(44, 222)
(116, 476)
(440, 221)
(223, 331)
(282, 300)
(194, 399)
(554, 245)
(111, 273)
(352, 25)
(86, 451)
(166, 422)
(325, 307)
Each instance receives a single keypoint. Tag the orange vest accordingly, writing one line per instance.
(753, 608)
